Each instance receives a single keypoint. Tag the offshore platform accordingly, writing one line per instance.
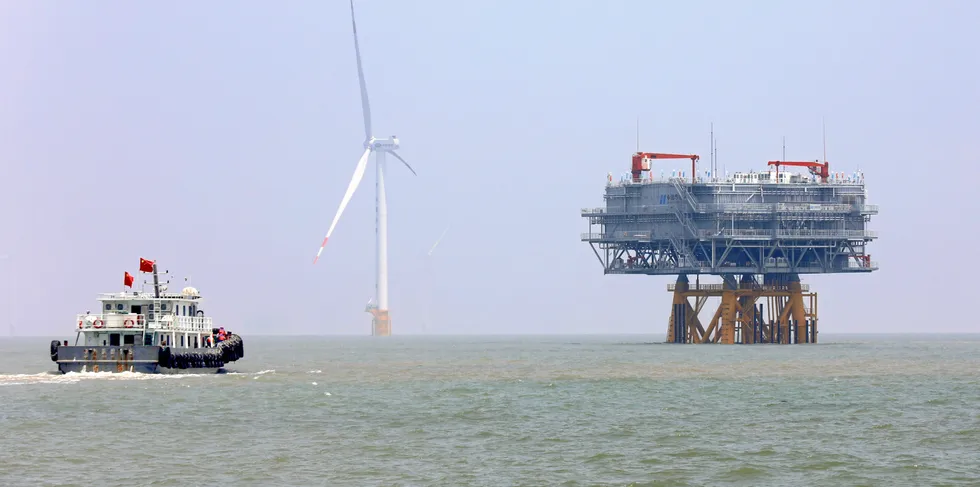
(758, 231)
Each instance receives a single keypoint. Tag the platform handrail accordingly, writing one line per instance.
(739, 208)
(743, 287)
(616, 236)
(728, 232)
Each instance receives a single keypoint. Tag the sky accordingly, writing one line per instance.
(219, 137)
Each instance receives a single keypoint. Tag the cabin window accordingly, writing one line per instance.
(119, 306)
(182, 340)
(148, 340)
(163, 306)
(193, 309)
(108, 306)
(114, 339)
(185, 310)
(135, 309)
(129, 339)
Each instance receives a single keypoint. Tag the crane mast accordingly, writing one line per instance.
(641, 162)
(817, 168)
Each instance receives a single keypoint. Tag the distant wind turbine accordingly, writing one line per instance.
(381, 322)
(428, 281)
(438, 240)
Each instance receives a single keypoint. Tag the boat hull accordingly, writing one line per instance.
(126, 358)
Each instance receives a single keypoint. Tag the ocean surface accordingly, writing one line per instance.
(501, 411)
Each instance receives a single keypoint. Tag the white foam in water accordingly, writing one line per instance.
(73, 377)
(314, 383)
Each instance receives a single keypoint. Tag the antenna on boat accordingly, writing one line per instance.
(156, 282)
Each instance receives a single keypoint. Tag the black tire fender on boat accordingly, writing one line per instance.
(54, 350)
(163, 358)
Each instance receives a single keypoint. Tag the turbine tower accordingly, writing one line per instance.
(381, 322)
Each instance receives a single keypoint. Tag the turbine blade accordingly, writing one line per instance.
(354, 182)
(365, 105)
(403, 161)
(438, 240)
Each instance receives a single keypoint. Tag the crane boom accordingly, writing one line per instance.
(641, 162)
(817, 168)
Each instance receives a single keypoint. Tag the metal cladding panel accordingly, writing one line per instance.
(669, 227)
(653, 209)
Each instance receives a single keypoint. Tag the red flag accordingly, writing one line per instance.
(128, 280)
(146, 265)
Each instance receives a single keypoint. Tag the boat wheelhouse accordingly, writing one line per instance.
(138, 318)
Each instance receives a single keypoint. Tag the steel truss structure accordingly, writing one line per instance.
(758, 236)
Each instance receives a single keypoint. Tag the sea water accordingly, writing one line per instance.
(493, 411)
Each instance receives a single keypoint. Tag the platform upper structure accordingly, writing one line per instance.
(141, 318)
(746, 223)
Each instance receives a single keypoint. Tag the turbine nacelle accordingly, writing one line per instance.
(389, 144)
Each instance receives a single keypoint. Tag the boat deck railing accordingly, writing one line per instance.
(124, 321)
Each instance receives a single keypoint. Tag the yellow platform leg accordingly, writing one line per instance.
(677, 324)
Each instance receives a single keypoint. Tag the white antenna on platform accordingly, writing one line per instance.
(380, 147)
(823, 126)
(711, 152)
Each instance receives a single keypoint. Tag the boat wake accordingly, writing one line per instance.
(75, 377)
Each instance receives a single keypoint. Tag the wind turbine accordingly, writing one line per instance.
(428, 281)
(380, 323)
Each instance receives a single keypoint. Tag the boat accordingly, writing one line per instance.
(148, 332)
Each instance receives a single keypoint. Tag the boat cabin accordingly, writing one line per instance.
(138, 318)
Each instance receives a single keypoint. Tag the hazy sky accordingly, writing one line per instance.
(219, 137)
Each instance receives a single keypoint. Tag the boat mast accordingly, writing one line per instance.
(156, 282)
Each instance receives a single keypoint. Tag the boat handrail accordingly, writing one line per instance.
(166, 322)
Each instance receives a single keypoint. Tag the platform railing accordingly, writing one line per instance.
(768, 233)
(628, 181)
(737, 233)
(720, 287)
(741, 208)
(616, 236)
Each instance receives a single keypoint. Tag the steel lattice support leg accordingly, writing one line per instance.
(799, 313)
(729, 309)
(776, 311)
(677, 324)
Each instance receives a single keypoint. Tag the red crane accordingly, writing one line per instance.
(817, 168)
(641, 162)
